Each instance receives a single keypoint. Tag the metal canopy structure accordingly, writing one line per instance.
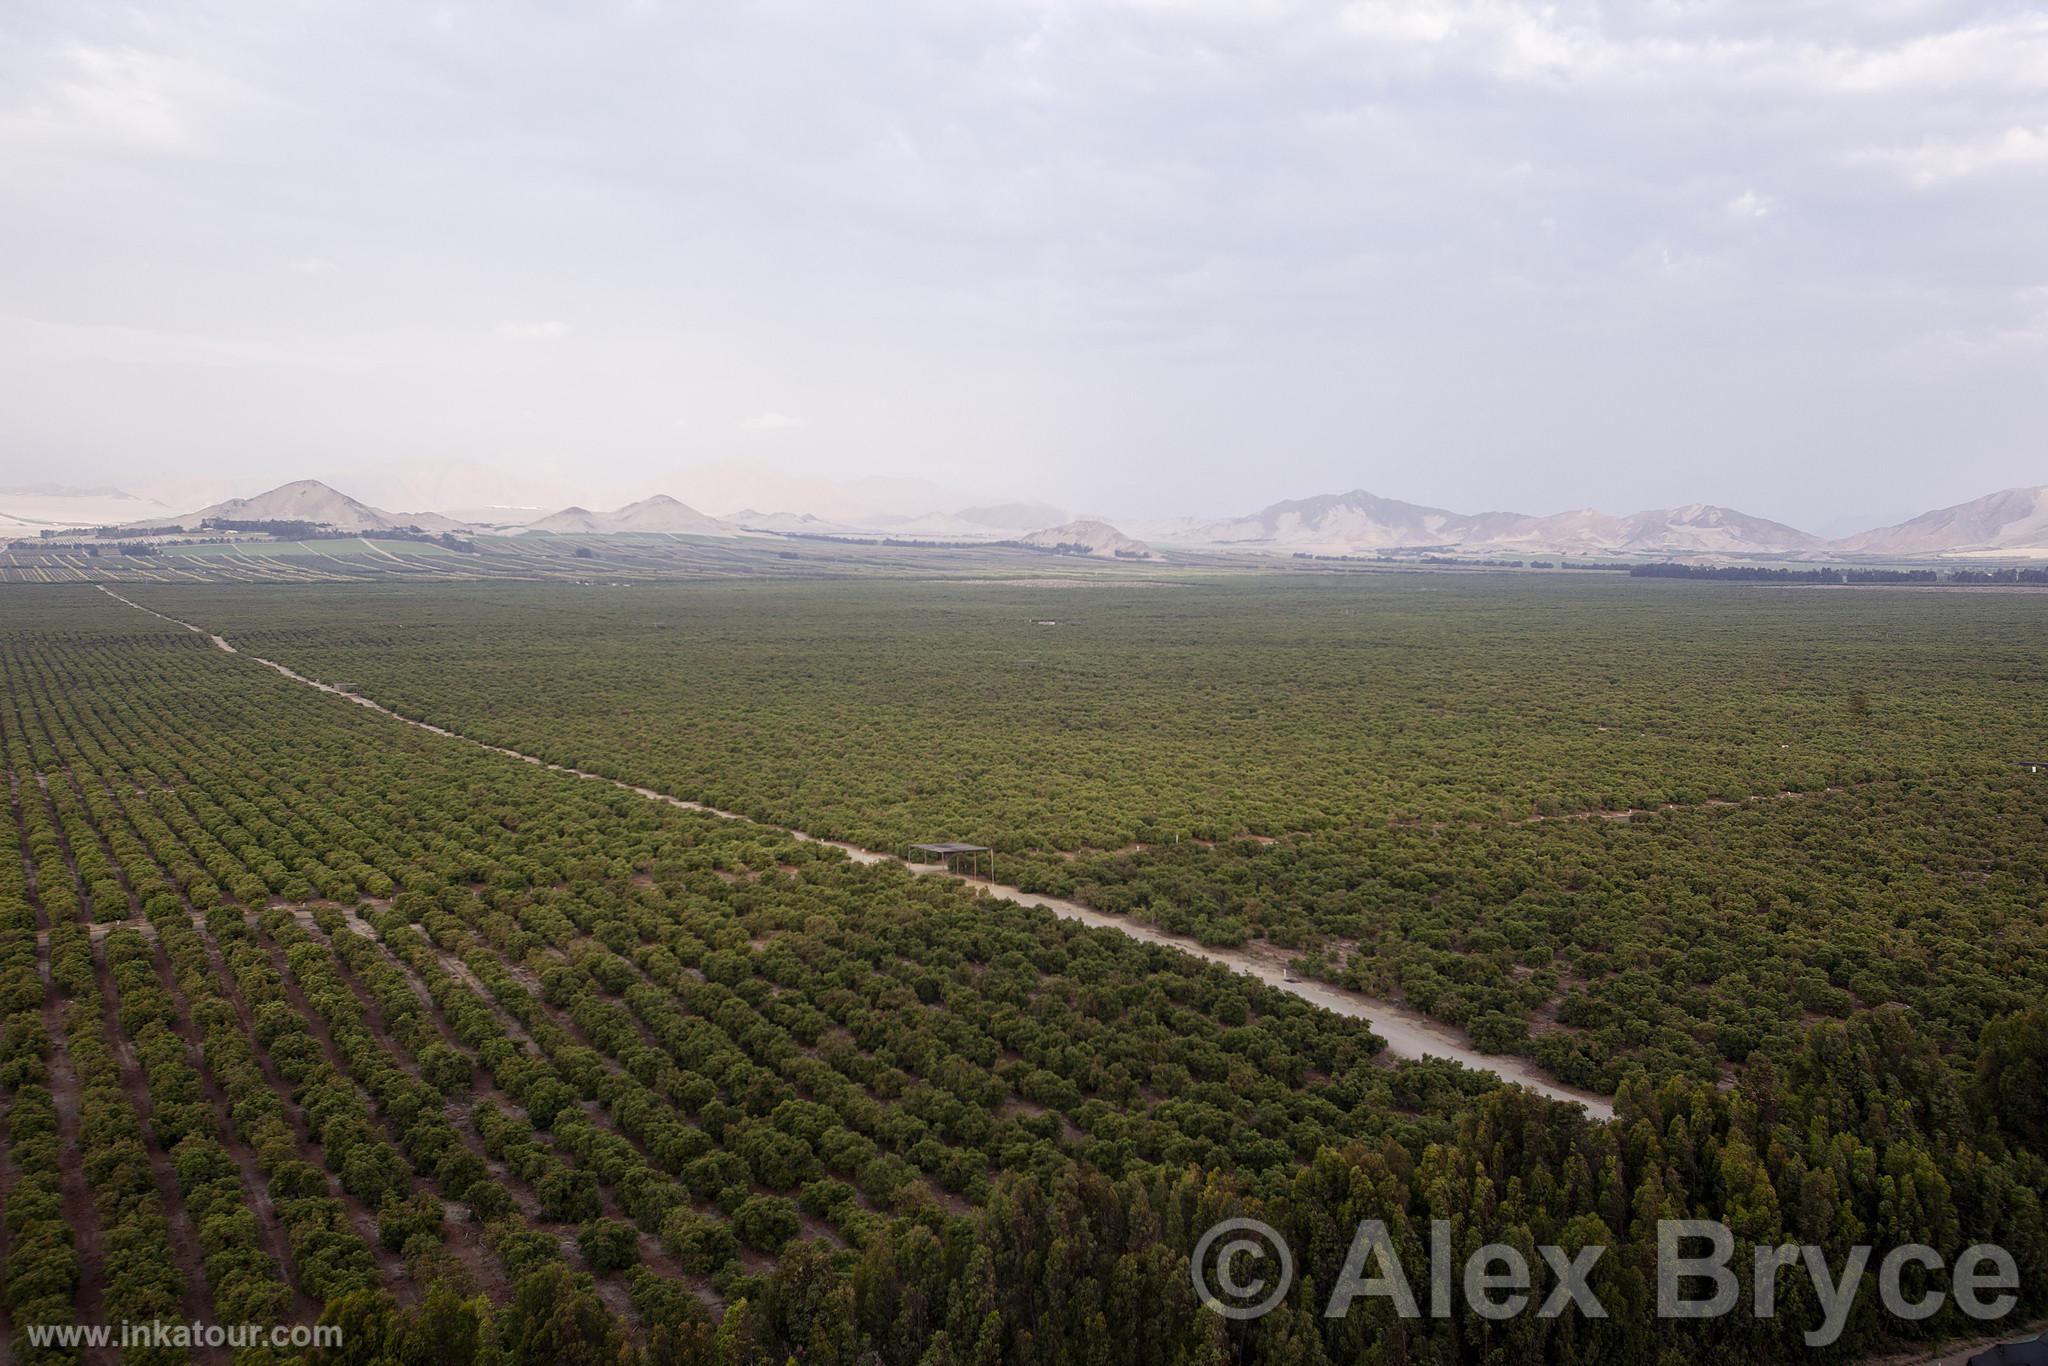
(945, 851)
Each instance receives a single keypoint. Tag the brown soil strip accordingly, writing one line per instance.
(813, 1227)
(652, 1254)
(481, 1267)
(106, 846)
(481, 1084)
(488, 1272)
(390, 1266)
(79, 1213)
(197, 1301)
(647, 1035)
(28, 863)
(63, 839)
(9, 1173)
(270, 1230)
(256, 1190)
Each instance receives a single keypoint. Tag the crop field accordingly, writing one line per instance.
(1599, 823)
(611, 560)
(307, 1013)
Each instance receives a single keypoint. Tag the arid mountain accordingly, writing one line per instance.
(1338, 522)
(660, 513)
(433, 521)
(2011, 520)
(309, 500)
(1098, 539)
(569, 521)
(1363, 523)
(1702, 528)
(663, 513)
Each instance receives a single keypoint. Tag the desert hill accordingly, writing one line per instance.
(1098, 539)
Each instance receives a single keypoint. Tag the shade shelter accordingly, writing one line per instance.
(947, 851)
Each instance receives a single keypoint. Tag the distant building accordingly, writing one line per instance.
(946, 852)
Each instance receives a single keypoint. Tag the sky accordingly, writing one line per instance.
(1145, 258)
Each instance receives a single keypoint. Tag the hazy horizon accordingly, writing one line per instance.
(1141, 258)
(835, 499)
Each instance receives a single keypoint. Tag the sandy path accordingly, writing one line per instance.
(1409, 1033)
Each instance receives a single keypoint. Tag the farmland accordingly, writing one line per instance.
(611, 560)
(358, 1021)
(1410, 780)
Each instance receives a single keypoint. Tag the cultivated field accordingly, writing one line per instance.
(1601, 823)
(357, 1020)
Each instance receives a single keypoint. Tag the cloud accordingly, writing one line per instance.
(1935, 163)
(1749, 206)
(1577, 46)
(107, 95)
(1232, 238)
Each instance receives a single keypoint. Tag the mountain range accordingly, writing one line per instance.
(308, 500)
(660, 513)
(2012, 523)
(1349, 523)
(2009, 520)
(311, 501)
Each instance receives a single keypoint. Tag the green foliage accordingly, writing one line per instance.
(765, 1222)
(609, 1244)
(585, 1012)
(1342, 764)
(2010, 1090)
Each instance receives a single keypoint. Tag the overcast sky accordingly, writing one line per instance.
(1142, 257)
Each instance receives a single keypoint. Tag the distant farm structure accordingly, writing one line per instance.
(948, 852)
